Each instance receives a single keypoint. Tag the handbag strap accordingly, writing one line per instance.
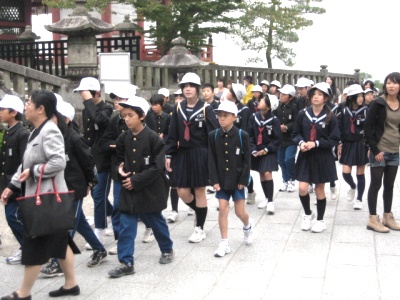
(38, 200)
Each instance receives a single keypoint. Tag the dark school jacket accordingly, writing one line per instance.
(201, 122)
(286, 114)
(327, 131)
(229, 158)
(374, 125)
(243, 117)
(79, 172)
(11, 154)
(271, 134)
(144, 156)
(95, 121)
(348, 119)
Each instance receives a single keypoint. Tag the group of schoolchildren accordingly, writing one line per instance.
(151, 151)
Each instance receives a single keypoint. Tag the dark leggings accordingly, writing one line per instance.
(389, 175)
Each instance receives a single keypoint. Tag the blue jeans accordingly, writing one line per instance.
(102, 205)
(116, 214)
(83, 227)
(14, 220)
(128, 231)
(286, 160)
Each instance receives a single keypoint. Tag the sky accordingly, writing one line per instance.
(352, 34)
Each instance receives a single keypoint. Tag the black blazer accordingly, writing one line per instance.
(144, 156)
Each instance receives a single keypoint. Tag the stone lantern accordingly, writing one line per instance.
(127, 28)
(29, 37)
(81, 29)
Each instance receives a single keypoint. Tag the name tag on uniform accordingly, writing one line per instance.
(269, 131)
(147, 160)
(10, 152)
(66, 157)
(237, 120)
(290, 117)
(237, 151)
(200, 124)
(322, 124)
(358, 122)
(96, 127)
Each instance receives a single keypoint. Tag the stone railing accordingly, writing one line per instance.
(23, 79)
(149, 77)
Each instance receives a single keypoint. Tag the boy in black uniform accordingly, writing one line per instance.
(141, 159)
(161, 118)
(208, 95)
(13, 147)
(166, 107)
(229, 170)
(96, 116)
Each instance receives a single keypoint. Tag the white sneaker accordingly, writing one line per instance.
(270, 208)
(351, 194)
(251, 198)
(290, 187)
(357, 205)
(223, 248)
(315, 201)
(197, 236)
(190, 212)
(333, 193)
(284, 187)
(109, 230)
(310, 189)
(148, 236)
(263, 204)
(248, 234)
(114, 250)
(14, 259)
(88, 247)
(318, 226)
(306, 223)
(173, 217)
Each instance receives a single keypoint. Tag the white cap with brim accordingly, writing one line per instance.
(322, 86)
(125, 91)
(164, 92)
(345, 90)
(136, 102)
(276, 83)
(355, 89)
(366, 91)
(227, 106)
(178, 92)
(303, 82)
(88, 84)
(274, 102)
(288, 89)
(66, 109)
(264, 82)
(239, 90)
(12, 102)
(256, 88)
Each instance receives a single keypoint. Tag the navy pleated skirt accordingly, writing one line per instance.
(316, 166)
(354, 154)
(190, 168)
(265, 163)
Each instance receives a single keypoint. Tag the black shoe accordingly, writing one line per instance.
(210, 191)
(14, 295)
(75, 291)
(167, 257)
(122, 270)
(97, 257)
(52, 269)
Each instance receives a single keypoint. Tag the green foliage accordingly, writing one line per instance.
(91, 5)
(271, 26)
(194, 20)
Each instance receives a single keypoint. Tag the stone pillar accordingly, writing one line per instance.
(82, 56)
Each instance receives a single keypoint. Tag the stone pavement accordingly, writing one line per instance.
(345, 262)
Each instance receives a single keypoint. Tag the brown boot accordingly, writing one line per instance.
(375, 224)
(390, 222)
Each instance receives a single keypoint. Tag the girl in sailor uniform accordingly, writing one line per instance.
(187, 150)
(265, 139)
(316, 132)
(257, 95)
(352, 151)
